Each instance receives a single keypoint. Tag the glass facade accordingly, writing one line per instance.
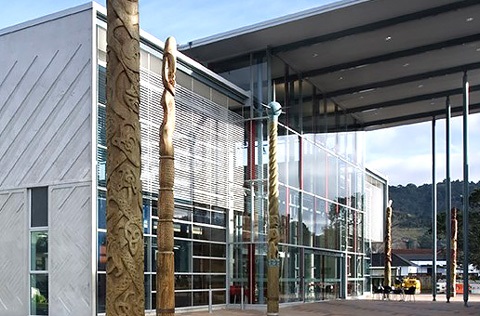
(221, 188)
(321, 184)
(208, 181)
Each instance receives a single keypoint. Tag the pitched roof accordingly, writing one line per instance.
(419, 254)
(378, 260)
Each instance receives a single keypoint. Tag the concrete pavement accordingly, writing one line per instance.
(422, 306)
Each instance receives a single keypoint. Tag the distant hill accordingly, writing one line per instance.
(412, 211)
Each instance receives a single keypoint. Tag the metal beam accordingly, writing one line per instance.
(374, 26)
(401, 80)
(386, 57)
(412, 99)
(438, 114)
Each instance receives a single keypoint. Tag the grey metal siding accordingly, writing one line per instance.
(45, 103)
(46, 140)
(14, 249)
(70, 250)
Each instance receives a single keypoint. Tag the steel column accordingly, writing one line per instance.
(434, 216)
(260, 186)
(449, 203)
(466, 194)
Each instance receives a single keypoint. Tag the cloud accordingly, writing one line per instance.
(404, 154)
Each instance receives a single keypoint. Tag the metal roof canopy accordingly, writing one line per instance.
(385, 62)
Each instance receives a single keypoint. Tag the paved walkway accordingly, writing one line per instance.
(422, 306)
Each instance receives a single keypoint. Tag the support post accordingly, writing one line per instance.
(448, 255)
(165, 261)
(434, 215)
(210, 301)
(466, 193)
(273, 274)
(125, 280)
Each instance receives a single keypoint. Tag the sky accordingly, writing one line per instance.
(402, 154)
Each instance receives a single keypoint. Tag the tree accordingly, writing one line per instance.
(474, 229)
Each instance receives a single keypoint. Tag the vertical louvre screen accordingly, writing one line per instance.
(205, 138)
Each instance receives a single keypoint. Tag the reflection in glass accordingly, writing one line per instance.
(146, 216)
(183, 254)
(39, 207)
(183, 230)
(39, 294)
(218, 250)
(39, 251)
(201, 281)
(219, 297)
(200, 298)
(153, 254)
(183, 299)
(147, 291)
(102, 251)
(217, 266)
(219, 219)
(183, 213)
(183, 282)
(102, 209)
(101, 292)
(217, 281)
(201, 249)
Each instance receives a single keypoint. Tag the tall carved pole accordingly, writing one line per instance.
(388, 246)
(165, 261)
(454, 237)
(273, 289)
(125, 285)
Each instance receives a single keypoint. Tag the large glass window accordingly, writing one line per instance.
(39, 251)
(39, 207)
(39, 294)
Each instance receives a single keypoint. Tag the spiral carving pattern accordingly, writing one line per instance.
(274, 221)
(125, 288)
(165, 263)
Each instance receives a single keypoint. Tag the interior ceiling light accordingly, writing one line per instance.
(406, 65)
(469, 19)
(366, 90)
(388, 38)
(420, 86)
(314, 55)
(340, 78)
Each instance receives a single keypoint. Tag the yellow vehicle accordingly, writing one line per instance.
(412, 281)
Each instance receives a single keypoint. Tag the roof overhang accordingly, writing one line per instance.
(386, 63)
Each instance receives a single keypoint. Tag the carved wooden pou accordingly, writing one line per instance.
(125, 280)
(165, 260)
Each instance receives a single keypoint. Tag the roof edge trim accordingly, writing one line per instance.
(47, 18)
(270, 23)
